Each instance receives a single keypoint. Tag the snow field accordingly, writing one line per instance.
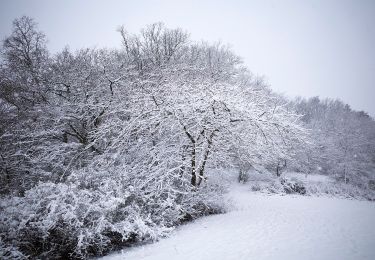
(271, 227)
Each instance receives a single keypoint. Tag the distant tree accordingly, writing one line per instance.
(23, 96)
(344, 139)
(25, 55)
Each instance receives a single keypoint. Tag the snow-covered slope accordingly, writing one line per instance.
(271, 227)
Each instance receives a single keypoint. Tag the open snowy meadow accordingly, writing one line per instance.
(262, 226)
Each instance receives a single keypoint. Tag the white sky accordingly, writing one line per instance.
(310, 48)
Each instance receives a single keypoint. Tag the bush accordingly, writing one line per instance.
(8, 251)
(299, 184)
(291, 186)
(371, 184)
(243, 176)
(78, 220)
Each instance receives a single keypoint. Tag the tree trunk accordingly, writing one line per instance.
(201, 169)
(193, 174)
(206, 154)
(278, 170)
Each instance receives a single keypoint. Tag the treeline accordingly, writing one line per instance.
(343, 141)
(101, 148)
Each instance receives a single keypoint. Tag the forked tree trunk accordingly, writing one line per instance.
(205, 158)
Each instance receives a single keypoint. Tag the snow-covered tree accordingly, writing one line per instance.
(344, 139)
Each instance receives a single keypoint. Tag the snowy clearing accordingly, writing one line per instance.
(271, 227)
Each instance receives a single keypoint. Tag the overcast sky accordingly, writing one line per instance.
(303, 48)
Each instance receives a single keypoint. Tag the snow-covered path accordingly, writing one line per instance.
(271, 227)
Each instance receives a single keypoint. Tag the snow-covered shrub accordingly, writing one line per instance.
(8, 251)
(293, 186)
(96, 212)
(312, 185)
(371, 184)
(264, 182)
(243, 176)
(342, 190)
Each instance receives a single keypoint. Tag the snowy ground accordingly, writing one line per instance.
(271, 227)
